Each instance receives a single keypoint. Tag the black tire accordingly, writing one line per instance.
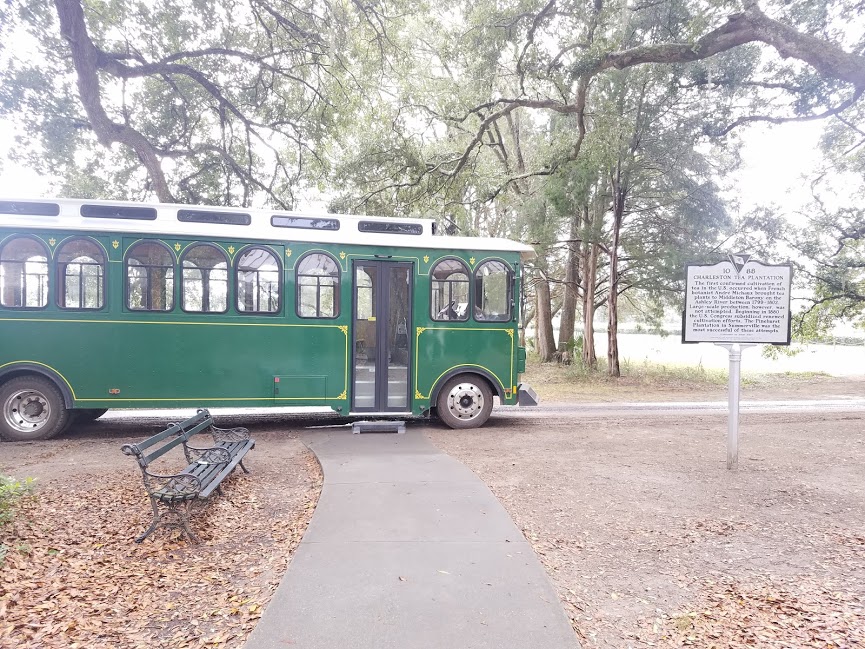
(465, 401)
(46, 414)
(86, 415)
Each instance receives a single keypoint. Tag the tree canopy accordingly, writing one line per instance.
(598, 131)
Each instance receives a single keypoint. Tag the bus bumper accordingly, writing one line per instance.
(526, 396)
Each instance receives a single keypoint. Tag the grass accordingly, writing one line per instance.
(643, 380)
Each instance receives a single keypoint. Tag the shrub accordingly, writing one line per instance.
(11, 493)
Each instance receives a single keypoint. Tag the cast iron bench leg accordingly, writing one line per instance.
(178, 515)
(245, 470)
(184, 521)
(156, 518)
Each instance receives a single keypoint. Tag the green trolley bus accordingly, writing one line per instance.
(128, 305)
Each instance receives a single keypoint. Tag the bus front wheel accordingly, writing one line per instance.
(32, 409)
(465, 401)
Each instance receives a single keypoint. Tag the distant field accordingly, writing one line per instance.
(837, 360)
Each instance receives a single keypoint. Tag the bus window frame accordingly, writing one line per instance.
(469, 277)
(58, 293)
(228, 282)
(48, 273)
(337, 287)
(280, 283)
(126, 306)
(508, 296)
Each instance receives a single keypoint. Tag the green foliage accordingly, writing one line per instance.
(12, 491)
(234, 97)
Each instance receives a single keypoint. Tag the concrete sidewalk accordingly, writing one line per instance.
(408, 549)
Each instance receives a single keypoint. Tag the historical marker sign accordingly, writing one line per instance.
(739, 300)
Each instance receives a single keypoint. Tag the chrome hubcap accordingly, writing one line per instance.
(26, 410)
(465, 401)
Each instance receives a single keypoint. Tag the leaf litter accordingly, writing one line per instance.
(73, 577)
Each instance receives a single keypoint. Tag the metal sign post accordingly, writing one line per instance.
(733, 390)
(737, 303)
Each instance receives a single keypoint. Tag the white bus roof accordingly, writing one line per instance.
(164, 218)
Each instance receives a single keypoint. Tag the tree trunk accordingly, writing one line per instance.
(569, 299)
(88, 60)
(613, 297)
(546, 342)
(590, 270)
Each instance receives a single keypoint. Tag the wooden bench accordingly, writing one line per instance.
(171, 496)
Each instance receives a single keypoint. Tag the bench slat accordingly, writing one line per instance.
(162, 450)
(241, 453)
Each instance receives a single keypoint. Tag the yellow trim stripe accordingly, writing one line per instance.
(157, 322)
(65, 380)
(420, 330)
(106, 399)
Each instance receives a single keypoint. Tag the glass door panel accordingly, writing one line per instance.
(399, 291)
(382, 341)
(365, 335)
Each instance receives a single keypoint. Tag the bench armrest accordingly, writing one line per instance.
(229, 434)
(210, 455)
(180, 485)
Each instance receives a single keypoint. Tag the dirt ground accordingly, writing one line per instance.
(648, 538)
(72, 576)
(651, 541)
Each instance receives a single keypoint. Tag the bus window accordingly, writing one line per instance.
(449, 293)
(23, 274)
(317, 286)
(149, 277)
(80, 275)
(258, 281)
(204, 284)
(492, 292)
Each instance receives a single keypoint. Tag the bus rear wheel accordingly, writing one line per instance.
(465, 401)
(31, 408)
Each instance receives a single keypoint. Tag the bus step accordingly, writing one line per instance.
(378, 427)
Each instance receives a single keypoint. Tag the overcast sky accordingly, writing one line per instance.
(775, 159)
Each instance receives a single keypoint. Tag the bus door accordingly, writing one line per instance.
(381, 312)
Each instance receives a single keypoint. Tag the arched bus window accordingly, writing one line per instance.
(258, 281)
(449, 294)
(80, 275)
(317, 286)
(493, 292)
(149, 277)
(23, 274)
(204, 280)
